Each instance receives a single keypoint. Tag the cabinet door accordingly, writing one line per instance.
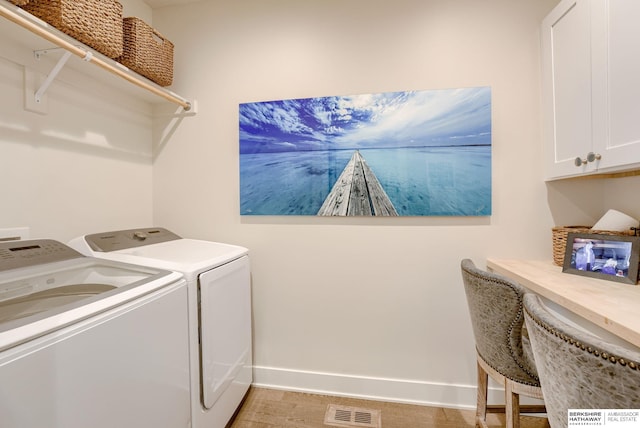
(616, 82)
(566, 61)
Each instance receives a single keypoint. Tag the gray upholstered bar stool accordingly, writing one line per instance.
(577, 369)
(495, 306)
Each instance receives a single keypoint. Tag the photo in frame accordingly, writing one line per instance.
(609, 257)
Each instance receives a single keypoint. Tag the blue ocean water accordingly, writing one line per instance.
(426, 181)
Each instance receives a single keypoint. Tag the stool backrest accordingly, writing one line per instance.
(495, 307)
(579, 370)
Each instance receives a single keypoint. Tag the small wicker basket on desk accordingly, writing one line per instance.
(560, 234)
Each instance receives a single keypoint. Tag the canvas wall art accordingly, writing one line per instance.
(410, 153)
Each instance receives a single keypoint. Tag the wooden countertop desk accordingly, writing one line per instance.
(612, 306)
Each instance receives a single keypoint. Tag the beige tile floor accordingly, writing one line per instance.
(265, 408)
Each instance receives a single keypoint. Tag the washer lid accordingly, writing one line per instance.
(184, 255)
(38, 295)
(189, 256)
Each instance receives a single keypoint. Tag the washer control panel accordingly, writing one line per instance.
(123, 239)
(19, 254)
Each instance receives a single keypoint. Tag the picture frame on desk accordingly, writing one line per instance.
(608, 257)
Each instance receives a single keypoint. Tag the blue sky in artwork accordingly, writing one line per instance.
(448, 117)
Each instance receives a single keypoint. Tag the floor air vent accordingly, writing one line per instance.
(344, 416)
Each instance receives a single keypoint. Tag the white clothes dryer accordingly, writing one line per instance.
(219, 289)
(86, 342)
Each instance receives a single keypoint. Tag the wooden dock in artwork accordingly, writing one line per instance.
(357, 192)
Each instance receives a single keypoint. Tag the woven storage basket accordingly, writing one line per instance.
(561, 233)
(147, 52)
(19, 2)
(96, 23)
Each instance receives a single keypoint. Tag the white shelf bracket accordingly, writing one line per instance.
(52, 74)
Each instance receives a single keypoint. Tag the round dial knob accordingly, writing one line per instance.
(140, 236)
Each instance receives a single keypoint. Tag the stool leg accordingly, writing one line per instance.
(481, 406)
(512, 410)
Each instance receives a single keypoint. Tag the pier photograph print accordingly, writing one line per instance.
(409, 153)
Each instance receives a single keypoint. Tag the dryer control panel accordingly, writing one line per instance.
(123, 239)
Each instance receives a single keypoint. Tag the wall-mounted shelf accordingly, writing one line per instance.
(34, 34)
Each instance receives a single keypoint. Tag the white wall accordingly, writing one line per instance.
(84, 166)
(583, 201)
(621, 194)
(368, 306)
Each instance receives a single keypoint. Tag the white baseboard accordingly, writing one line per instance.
(379, 389)
(371, 388)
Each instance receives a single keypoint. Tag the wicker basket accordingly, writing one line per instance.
(96, 23)
(147, 52)
(560, 234)
(19, 2)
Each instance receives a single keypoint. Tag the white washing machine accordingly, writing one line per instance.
(86, 342)
(219, 283)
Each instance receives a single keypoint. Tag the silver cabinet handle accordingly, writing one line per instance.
(591, 157)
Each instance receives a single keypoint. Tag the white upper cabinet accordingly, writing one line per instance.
(616, 86)
(591, 87)
(566, 72)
